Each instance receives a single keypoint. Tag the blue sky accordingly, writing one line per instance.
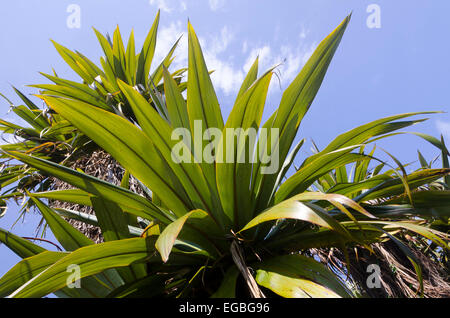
(403, 66)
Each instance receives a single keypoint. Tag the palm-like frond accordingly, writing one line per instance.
(215, 219)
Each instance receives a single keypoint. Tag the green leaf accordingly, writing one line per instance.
(427, 204)
(382, 187)
(26, 270)
(92, 260)
(73, 90)
(69, 237)
(189, 174)
(126, 143)
(201, 97)
(75, 196)
(32, 266)
(286, 165)
(309, 173)
(335, 199)
(73, 93)
(422, 160)
(298, 276)
(34, 118)
(26, 100)
(251, 77)
(168, 237)
(147, 287)
(293, 209)
(158, 72)
(421, 230)
(295, 103)
(113, 224)
(202, 104)
(18, 245)
(227, 288)
(3, 208)
(445, 162)
(362, 134)
(176, 105)
(111, 219)
(235, 152)
(108, 50)
(119, 56)
(71, 59)
(137, 204)
(131, 59)
(146, 55)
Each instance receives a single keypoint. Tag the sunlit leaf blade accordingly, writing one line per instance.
(125, 142)
(146, 56)
(27, 269)
(26, 100)
(421, 230)
(119, 56)
(75, 196)
(294, 104)
(298, 276)
(18, 245)
(34, 118)
(381, 187)
(188, 173)
(307, 174)
(111, 219)
(69, 237)
(235, 152)
(70, 58)
(251, 77)
(422, 160)
(139, 205)
(202, 104)
(92, 260)
(176, 105)
(131, 59)
(114, 226)
(108, 50)
(157, 74)
(293, 209)
(427, 204)
(168, 237)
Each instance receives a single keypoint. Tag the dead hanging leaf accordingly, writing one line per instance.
(238, 258)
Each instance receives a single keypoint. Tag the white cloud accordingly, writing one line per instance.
(265, 58)
(229, 74)
(225, 77)
(303, 33)
(244, 47)
(444, 128)
(161, 4)
(216, 4)
(220, 43)
(169, 5)
(167, 36)
(290, 60)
